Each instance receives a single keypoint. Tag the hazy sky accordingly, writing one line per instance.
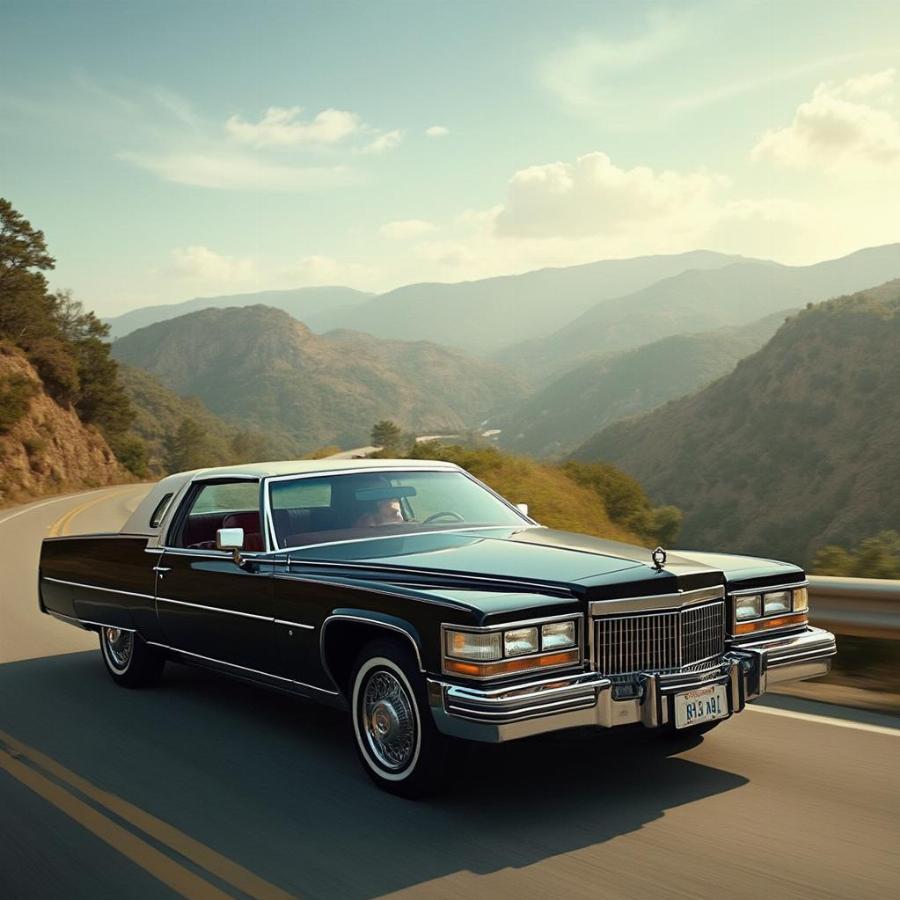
(170, 150)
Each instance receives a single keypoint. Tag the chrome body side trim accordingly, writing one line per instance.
(295, 624)
(657, 603)
(589, 699)
(230, 665)
(97, 587)
(216, 609)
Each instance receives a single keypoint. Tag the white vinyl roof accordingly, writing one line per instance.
(139, 521)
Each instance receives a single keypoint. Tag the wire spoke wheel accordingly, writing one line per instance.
(119, 646)
(387, 719)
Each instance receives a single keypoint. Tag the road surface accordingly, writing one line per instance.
(207, 787)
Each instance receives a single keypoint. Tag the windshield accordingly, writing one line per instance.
(369, 504)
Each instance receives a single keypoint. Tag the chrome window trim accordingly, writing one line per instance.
(216, 609)
(222, 662)
(97, 587)
(577, 618)
(165, 526)
(209, 554)
(656, 602)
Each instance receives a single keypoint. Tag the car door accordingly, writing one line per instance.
(208, 604)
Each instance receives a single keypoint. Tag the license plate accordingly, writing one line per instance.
(701, 705)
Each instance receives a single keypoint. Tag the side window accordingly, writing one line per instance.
(221, 504)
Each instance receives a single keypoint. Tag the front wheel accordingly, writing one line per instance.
(128, 659)
(396, 737)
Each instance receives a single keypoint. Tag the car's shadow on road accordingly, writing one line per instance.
(273, 782)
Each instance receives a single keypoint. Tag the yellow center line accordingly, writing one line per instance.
(61, 525)
(229, 871)
(169, 872)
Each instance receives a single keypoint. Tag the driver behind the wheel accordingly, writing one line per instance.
(380, 512)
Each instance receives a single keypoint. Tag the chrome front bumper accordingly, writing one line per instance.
(552, 704)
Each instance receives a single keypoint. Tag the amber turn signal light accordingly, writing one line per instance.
(510, 666)
(766, 624)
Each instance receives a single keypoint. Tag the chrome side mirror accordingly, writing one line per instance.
(522, 508)
(231, 539)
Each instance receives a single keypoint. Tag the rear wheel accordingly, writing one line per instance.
(128, 659)
(396, 738)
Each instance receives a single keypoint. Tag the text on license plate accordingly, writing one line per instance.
(701, 705)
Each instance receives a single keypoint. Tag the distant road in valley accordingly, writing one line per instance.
(206, 787)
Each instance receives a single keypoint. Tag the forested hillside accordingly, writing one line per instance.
(259, 368)
(794, 450)
(181, 433)
(593, 498)
(558, 418)
(61, 404)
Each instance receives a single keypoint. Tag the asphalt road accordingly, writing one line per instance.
(206, 787)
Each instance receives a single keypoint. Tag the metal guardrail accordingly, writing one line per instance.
(865, 607)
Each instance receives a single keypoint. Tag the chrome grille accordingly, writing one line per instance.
(660, 642)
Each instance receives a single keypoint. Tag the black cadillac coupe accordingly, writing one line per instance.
(434, 610)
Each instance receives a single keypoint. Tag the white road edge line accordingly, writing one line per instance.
(826, 720)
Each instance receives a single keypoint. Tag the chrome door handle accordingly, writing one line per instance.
(161, 569)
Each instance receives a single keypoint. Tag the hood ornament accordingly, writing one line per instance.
(659, 558)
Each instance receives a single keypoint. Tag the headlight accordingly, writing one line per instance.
(777, 602)
(520, 641)
(748, 606)
(482, 646)
(801, 599)
(556, 635)
(490, 654)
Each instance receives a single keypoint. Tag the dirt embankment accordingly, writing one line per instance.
(48, 449)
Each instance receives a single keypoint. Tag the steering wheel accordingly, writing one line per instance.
(444, 514)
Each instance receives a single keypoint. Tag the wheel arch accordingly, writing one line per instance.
(346, 631)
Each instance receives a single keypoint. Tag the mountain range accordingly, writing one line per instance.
(257, 367)
(479, 316)
(699, 300)
(304, 304)
(559, 417)
(795, 449)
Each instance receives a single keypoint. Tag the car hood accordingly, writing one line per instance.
(520, 555)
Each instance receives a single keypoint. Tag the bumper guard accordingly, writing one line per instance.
(506, 713)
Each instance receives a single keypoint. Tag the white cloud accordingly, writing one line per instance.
(593, 196)
(281, 127)
(202, 264)
(846, 127)
(437, 131)
(384, 142)
(404, 229)
(575, 73)
(216, 168)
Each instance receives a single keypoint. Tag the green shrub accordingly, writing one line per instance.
(34, 446)
(16, 392)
